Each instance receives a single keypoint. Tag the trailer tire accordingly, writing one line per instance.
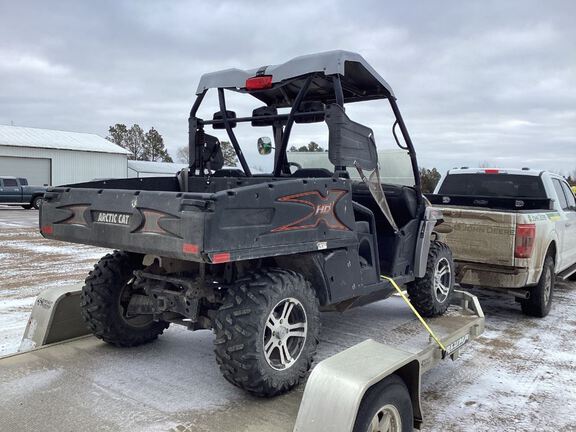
(431, 294)
(104, 296)
(254, 347)
(541, 295)
(37, 202)
(388, 401)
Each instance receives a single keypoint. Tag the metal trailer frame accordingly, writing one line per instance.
(335, 389)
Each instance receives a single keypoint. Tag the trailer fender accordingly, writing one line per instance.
(337, 385)
(55, 317)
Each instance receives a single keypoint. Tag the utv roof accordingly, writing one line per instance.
(359, 80)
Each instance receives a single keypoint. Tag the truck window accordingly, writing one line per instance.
(569, 196)
(10, 182)
(23, 182)
(560, 193)
(493, 185)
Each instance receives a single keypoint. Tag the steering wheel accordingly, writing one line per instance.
(294, 164)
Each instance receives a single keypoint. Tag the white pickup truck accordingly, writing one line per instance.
(510, 229)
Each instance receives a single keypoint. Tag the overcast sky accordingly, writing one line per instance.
(485, 81)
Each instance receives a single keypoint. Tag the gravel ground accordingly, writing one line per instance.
(519, 376)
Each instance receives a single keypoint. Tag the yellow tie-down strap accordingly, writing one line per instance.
(426, 326)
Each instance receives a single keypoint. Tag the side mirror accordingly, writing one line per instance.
(264, 145)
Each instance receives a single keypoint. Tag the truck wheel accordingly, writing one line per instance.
(540, 301)
(431, 294)
(386, 407)
(267, 331)
(37, 202)
(104, 300)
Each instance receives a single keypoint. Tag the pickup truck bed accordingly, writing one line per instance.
(85, 384)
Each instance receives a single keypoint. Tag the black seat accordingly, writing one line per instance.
(312, 172)
(229, 172)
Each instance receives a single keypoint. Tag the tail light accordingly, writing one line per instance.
(259, 82)
(525, 236)
(491, 171)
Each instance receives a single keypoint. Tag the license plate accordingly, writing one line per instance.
(458, 343)
(112, 218)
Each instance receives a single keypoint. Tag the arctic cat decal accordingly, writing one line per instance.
(322, 210)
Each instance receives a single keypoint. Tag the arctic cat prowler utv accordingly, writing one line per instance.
(255, 257)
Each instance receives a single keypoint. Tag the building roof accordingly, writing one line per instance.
(155, 167)
(55, 139)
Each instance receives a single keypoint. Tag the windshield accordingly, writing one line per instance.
(493, 185)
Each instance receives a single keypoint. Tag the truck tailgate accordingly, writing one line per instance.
(479, 235)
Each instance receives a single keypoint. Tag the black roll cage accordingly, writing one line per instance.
(196, 127)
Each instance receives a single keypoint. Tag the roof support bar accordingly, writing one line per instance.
(282, 158)
(410, 146)
(231, 134)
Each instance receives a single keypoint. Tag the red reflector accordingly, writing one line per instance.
(491, 171)
(259, 82)
(525, 236)
(221, 257)
(47, 229)
(190, 248)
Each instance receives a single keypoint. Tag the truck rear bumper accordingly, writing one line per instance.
(485, 275)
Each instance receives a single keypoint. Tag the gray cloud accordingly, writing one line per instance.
(484, 81)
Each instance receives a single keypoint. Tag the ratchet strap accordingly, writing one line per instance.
(395, 285)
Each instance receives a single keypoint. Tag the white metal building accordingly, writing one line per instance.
(55, 157)
(153, 169)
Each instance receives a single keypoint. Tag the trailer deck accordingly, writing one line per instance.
(173, 384)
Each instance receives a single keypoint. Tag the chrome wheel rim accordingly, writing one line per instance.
(387, 419)
(442, 280)
(285, 333)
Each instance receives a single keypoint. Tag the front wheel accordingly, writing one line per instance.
(104, 302)
(386, 407)
(540, 301)
(267, 331)
(431, 294)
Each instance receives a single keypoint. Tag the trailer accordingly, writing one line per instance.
(368, 372)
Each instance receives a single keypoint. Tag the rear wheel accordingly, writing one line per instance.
(386, 407)
(267, 331)
(431, 294)
(104, 302)
(37, 202)
(540, 301)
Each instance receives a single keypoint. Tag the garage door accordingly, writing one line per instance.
(36, 170)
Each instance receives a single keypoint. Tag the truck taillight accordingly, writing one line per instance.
(525, 236)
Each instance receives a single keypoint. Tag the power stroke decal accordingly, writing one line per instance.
(321, 210)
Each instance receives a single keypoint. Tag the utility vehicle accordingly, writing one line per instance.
(255, 257)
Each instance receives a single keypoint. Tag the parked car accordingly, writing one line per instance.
(16, 191)
(510, 228)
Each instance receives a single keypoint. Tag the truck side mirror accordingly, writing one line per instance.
(264, 145)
